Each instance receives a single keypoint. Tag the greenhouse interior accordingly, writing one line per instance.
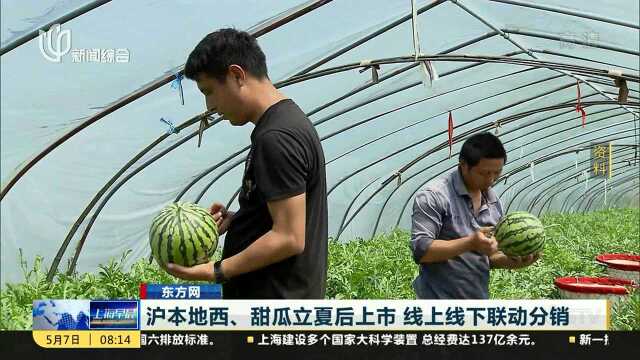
(100, 130)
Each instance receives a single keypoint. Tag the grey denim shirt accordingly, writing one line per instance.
(443, 210)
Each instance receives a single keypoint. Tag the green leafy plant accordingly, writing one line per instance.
(378, 268)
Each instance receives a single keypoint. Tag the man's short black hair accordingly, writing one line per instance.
(480, 146)
(217, 51)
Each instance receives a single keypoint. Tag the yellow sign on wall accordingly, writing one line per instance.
(601, 160)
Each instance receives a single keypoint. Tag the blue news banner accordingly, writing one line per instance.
(63, 314)
(86, 315)
(180, 292)
(195, 316)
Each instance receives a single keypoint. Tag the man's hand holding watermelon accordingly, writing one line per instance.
(483, 242)
(520, 236)
(202, 272)
(221, 216)
(500, 260)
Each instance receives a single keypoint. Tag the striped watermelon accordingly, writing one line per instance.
(183, 233)
(519, 234)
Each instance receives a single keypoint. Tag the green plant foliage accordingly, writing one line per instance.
(378, 268)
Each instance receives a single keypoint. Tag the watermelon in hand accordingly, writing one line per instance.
(519, 234)
(183, 233)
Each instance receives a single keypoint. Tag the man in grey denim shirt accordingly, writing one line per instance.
(452, 221)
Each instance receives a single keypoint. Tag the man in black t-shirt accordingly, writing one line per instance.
(276, 243)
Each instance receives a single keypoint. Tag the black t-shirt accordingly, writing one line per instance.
(285, 160)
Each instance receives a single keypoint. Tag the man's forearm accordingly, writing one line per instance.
(270, 248)
(442, 250)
